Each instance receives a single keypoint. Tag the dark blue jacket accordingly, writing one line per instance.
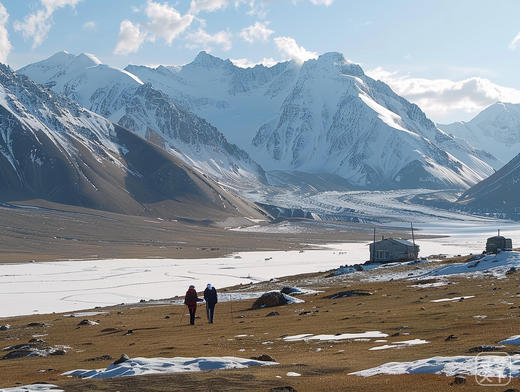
(210, 296)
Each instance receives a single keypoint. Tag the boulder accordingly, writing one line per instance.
(88, 322)
(264, 358)
(270, 299)
(290, 290)
(23, 353)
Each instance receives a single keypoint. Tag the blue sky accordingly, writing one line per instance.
(453, 58)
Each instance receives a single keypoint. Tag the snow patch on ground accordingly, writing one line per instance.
(484, 365)
(344, 336)
(454, 299)
(33, 388)
(512, 340)
(85, 314)
(141, 366)
(402, 344)
(498, 265)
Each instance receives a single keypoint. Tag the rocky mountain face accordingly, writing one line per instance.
(498, 193)
(53, 149)
(496, 129)
(124, 99)
(324, 117)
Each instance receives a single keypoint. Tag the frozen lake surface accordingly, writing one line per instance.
(68, 286)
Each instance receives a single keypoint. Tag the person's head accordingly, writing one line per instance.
(209, 286)
(192, 287)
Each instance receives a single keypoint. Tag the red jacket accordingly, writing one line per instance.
(191, 298)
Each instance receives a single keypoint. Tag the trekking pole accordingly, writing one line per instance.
(182, 316)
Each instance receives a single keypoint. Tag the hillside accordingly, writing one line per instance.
(497, 193)
(55, 150)
(124, 99)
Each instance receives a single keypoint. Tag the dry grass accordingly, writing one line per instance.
(395, 307)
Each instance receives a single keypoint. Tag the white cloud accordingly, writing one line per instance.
(163, 22)
(130, 38)
(446, 100)
(197, 6)
(90, 25)
(257, 32)
(38, 24)
(245, 63)
(5, 45)
(205, 40)
(515, 42)
(289, 48)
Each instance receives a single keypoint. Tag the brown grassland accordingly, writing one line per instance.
(394, 308)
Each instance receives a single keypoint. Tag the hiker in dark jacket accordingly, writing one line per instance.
(210, 296)
(190, 300)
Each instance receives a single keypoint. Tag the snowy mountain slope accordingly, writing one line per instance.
(53, 149)
(125, 99)
(497, 193)
(236, 100)
(326, 116)
(496, 129)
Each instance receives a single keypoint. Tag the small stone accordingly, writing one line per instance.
(122, 358)
(451, 337)
(105, 357)
(129, 332)
(460, 380)
(36, 325)
(37, 340)
(166, 317)
(286, 388)
(264, 358)
(272, 314)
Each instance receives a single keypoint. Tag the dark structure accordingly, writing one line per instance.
(393, 250)
(498, 243)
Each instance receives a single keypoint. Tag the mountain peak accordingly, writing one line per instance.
(332, 57)
(334, 62)
(205, 59)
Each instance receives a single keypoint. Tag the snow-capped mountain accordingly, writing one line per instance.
(496, 129)
(53, 149)
(325, 116)
(497, 193)
(124, 99)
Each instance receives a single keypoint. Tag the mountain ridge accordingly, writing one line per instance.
(53, 149)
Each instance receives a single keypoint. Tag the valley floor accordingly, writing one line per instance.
(405, 309)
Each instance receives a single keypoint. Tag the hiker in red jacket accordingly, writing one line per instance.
(191, 300)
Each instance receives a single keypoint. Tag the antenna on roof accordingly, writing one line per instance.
(499, 232)
(413, 237)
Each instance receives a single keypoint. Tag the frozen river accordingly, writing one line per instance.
(73, 285)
